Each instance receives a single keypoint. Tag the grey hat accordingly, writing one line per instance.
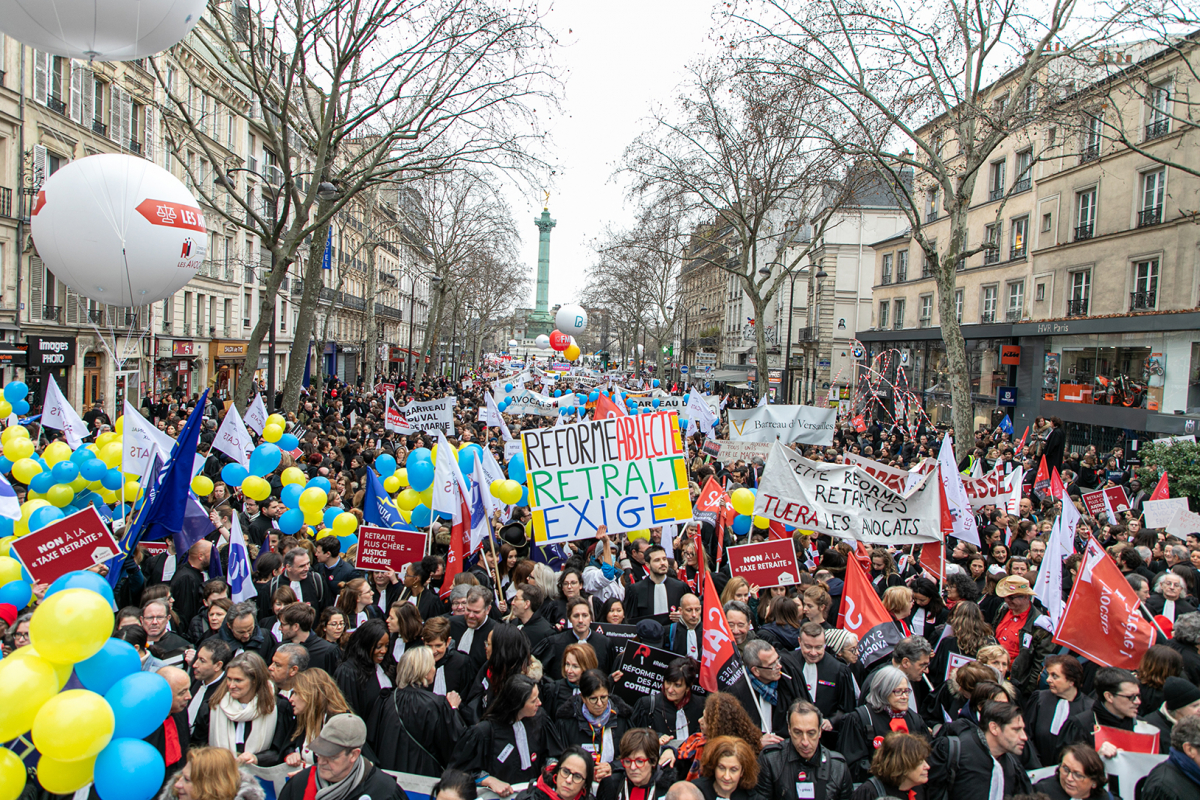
(340, 732)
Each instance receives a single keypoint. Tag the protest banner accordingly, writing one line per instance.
(429, 415)
(1185, 522)
(844, 501)
(892, 477)
(511, 449)
(642, 668)
(624, 472)
(1130, 741)
(741, 451)
(1102, 602)
(1160, 513)
(73, 543)
(788, 424)
(527, 401)
(676, 403)
(381, 549)
(986, 490)
(1093, 502)
(711, 447)
(765, 564)
(617, 634)
(955, 661)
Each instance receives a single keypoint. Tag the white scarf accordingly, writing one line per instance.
(810, 680)
(169, 565)
(918, 622)
(384, 681)
(398, 648)
(522, 741)
(439, 681)
(1169, 610)
(660, 597)
(1062, 710)
(681, 725)
(222, 726)
(996, 786)
(468, 638)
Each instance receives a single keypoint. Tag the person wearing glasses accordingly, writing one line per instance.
(1119, 697)
(885, 709)
(1080, 776)
(596, 720)
(18, 634)
(569, 779)
(642, 775)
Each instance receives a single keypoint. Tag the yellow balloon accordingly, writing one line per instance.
(32, 495)
(10, 570)
(73, 725)
(322, 534)
(408, 499)
(272, 433)
(6, 545)
(56, 452)
(293, 475)
(427, 497)
(312, 500)
(406, 515)
(65, 777)
(30, 506)
(71, 626)
(496, 487)
(277, 419)
(63, 671)
(132, 491)
(110, 454)
(391, 484)
(202, 485)
(25, 684)
(12, 775)
(107, 495)
(743, 501)
(60, 495)
(13, 431)
(79, 484)
(313, 517)
(644, 533)
(119, 427)
(5, 409)
(256, 488)
(571, 353)
(512, 492)
(345, 524)
(18, 448)
(761, 522)
(402, 475)
(104, 439)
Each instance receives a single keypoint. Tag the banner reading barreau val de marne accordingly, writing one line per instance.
(788, 424)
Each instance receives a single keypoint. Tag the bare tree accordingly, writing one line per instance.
(345, 96)
(741, 149)
(497, 283)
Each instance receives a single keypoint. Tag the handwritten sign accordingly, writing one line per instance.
(742, 451)
(765, 564)
(627, 473)
(1160, 513)
(381, 549)
(1185, 522)
(76, 542)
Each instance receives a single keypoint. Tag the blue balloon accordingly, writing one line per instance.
(64, 472)
(81, 455)
(116, 660)
(594, 396)
(508, 387)
(330, 514)
(655, 383)
(655, 402)
(562, 411)
(43, 516)
(20, 408)
(93, 469)
(15, 391)
(112, 479)
(6, 526)
(42, 482)
(685, 397)
(265, 459)
(6, 465)
(421, 516)
(16, 593)
(82, 579)
(420, 475)
(288, 442)
(385, 465)
(742, 524)
(348, 541)
(524, 501)
(320, 483)
(516, 468)
(129, 769)
(418, 454)
(140, 702)
(290, 495)
(466, 459)
(558, 392)
(233, 474)
(291, 521)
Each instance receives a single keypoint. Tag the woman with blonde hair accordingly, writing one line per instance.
(898, 600)
(212, 773)
(416, 730)
(315, 698)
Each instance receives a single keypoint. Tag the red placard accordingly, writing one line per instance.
(766, 564)
(385, 548)
(77, 542)
(154, 548)
(1127, 740)
(1094, 501)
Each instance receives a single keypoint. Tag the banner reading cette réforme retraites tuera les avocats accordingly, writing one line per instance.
(628, 473)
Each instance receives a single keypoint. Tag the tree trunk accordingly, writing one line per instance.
(433, 329)
(266, 318)
(306, 320)
(762, 385)
(961, 406)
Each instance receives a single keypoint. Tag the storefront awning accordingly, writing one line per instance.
(724, 375)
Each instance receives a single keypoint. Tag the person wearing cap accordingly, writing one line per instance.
(341, 773)
(1017, 631)
(1181, 699)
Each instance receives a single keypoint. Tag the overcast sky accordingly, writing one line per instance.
(619, 58)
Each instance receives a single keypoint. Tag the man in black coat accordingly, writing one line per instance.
(338, 750)
(296, 624)
(208, 673)
(686, 637)
(579, 615)
(470, 631)
(802, 768)
(1056, 444)
(1185, 640)
(999, 739)
(656, 595)
(1179, 775)
(526, 602)
(811, 674)
(297, 573)
(172, 737)
(187, 585)
(242, 633)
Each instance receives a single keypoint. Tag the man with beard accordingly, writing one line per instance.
(656, 595)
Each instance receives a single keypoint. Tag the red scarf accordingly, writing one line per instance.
(898, 723)
(310, 789)
(171, 733)
(545, 788)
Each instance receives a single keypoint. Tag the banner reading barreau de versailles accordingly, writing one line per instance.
(788, 424)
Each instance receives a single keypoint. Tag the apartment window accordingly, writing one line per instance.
(1081, 286)
(1029, 99)
(1153, 185)
(991, 238)
(1158, 120)
(1047, 222)
(1016, 301)
(1085, 214)
(898, 313)
(931, 206)
(1020, 235)
(926, 262)
(883, 314)
(1092, 134)
(1041, 292)
(958, 305)
(887, 269)
(996, 181)
(902, 266)
(988, 307)
(1052, 136)
(926, 316)
(1145, 285)
(1024, 171)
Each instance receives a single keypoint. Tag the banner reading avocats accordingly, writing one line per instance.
(624, 472)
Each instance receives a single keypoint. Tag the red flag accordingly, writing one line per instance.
(1021, 443)
(933, 554)
(1041, 481)
(1102, 602)
(460, 528)
(1161, 491)
(862, 556)
(862, 613)
(712, 507)
(776, 531)
(606, 408)
(1057, 490)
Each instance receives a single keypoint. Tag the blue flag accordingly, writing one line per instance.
(1006, 425)
(195, 526)
(379, 509)
(132, 534)
(553, 556)
(165, 516)
(241, 585)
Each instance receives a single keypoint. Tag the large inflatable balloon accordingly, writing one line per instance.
(571, 319)
(118, 229)
(559, 341)
(542, 342)
(100, 30)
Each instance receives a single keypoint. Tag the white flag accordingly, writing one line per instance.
(256, 415)
(492, 417)
(762, 401)
(233, 439)
(10, 506)
(57, 413)
(140, 438)
(448, 479)
(1048, 588)
(700, 413)
(241, 586)
(956, 495)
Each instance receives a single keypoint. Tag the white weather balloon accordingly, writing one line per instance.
(119, 229)
(101, 30)
(513, 343)
(571, 319)
(542, 342)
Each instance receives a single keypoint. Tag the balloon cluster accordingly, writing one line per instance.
(415, 501)
(564, 343)
(742, 501)
(93, 731)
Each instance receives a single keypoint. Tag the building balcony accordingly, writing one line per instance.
(898, 325)
(991, 255)
(807, 334)
(931, 216)
(1083, 232)
(56, 105)
(99, 127)
(1090, 153)
(995, 193)
(1023, 185)
(886, 280)
(166, 326)
(96, 316)
(1143, 301)
(1150, 216)
(1013, 315)
(987, 317)
(924, 322)
(1016, 253)
(1077, 308)
(1158, 128)
(52, 313)
(135, 147)
(901, 275)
